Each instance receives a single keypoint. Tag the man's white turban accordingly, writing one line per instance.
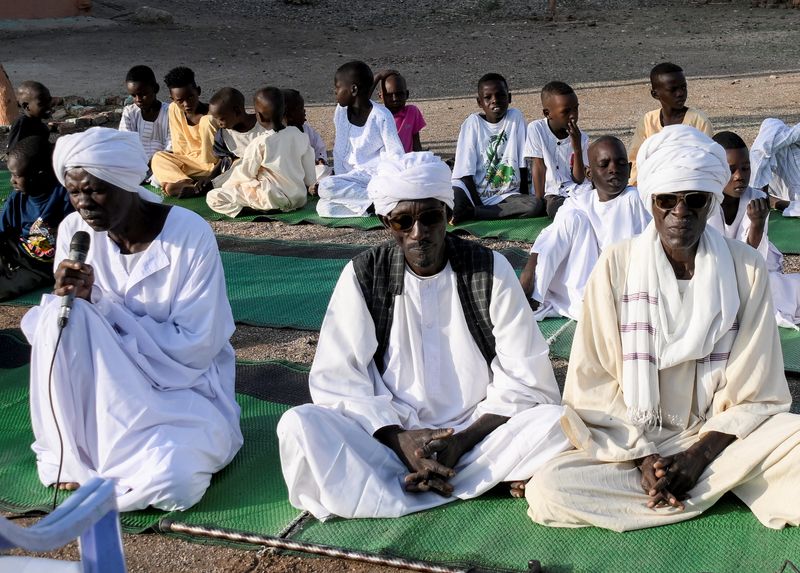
(116, 157)
(410, 177)
(681, 158)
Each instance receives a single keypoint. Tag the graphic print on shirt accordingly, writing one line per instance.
(499, 175)
(40, 244)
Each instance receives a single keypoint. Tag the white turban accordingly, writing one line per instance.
(410, 177)
(116, 157)
(681, 158)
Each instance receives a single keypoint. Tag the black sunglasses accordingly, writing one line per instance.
(696, 200)
(406, 221)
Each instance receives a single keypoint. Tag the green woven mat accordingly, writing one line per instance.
(495, 533)
(248, 495)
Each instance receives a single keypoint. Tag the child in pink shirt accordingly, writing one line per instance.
(408, 118)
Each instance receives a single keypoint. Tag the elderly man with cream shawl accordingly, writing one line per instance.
(431, 381)
(676, 392)
(142, 384)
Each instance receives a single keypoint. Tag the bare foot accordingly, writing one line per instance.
(68, 486)
(183, 188)
(518, 488)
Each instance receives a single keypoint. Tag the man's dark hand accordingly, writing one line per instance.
(74, 276)
(659, 495)
(418, 450)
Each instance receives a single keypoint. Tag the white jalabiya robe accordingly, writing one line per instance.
(775, 160)
(569, 248)
(598, 484)
(356, 152)
(143, 383)
(785, 287)
(435, 377)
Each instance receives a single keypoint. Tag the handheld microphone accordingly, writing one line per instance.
(78, 249)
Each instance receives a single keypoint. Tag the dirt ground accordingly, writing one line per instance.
(743, 65)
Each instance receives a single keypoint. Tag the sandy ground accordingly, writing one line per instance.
(743, 64)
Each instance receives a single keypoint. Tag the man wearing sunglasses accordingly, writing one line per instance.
(431, 380)
(676, 392)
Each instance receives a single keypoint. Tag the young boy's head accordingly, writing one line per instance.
(182, 88)
(352, 83)
(394, 92)
(738, 161)
(30, 162)
(559, 105)
(142, 87)
(609, 168)
(227, 107)
(34, 99)
(270, 105)
(668, 86)
(294, 112)
(493, 97)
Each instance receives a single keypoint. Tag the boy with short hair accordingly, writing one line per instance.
(489, 174)
(36, 106)
(185, 171)
(556, 147)
(408, 118)
(564, 254)
(744, 215)
(295, 115)
(364, 130)
(237, 129)
(668, 86)
(146, 116)
(275, 172)
(30, 218)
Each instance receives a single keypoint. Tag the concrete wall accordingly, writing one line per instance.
(26, 9)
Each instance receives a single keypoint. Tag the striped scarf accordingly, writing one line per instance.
(660, 329)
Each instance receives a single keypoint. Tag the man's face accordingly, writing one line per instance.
(395, 93)
(419, 227)
(681, 226)
(186, 97)
(561, 110)
(143, 94)
(739, 162)
(670, 90)
(494, 99)
(103, 206)
(609, 168)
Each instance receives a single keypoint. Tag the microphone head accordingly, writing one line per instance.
(80, 242)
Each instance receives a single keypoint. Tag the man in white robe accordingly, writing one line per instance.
(675, 393)
(431, 381)
(775, 158)
(565, 253)
(143, 377)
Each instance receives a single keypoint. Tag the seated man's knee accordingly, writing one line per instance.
(553, 204)
(177, 488)
(462, 206)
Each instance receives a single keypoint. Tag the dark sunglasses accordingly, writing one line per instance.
(406, 221)
(695, 200)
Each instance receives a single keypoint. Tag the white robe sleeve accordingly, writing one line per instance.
(344, 376)
(522, 376)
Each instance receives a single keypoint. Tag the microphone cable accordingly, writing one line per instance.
(55, 418)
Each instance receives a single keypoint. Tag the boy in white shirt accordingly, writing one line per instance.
(147, 116)
(556, 147)
(490, 180)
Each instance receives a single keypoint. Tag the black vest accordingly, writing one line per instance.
(380, 272)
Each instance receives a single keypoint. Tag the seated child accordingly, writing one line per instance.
(276, 170)
(147, 116)
(564, 254)
(295, 116)
(185, 171)
(408, 118)
(364, 130)
(556, 147)
(263, 108)
(30, 219)
(237, 129)
(744, 215)
(489, 175)
(668, 86)
(775, 159)
(36, 106)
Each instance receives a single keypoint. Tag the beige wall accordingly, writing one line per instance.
(14, 10)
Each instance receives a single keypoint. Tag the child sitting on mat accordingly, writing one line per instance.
(364, 129)
(393, 92)
(146, 116)
(30, 219)
(36, 106)
(295, 116)
(276, 169)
